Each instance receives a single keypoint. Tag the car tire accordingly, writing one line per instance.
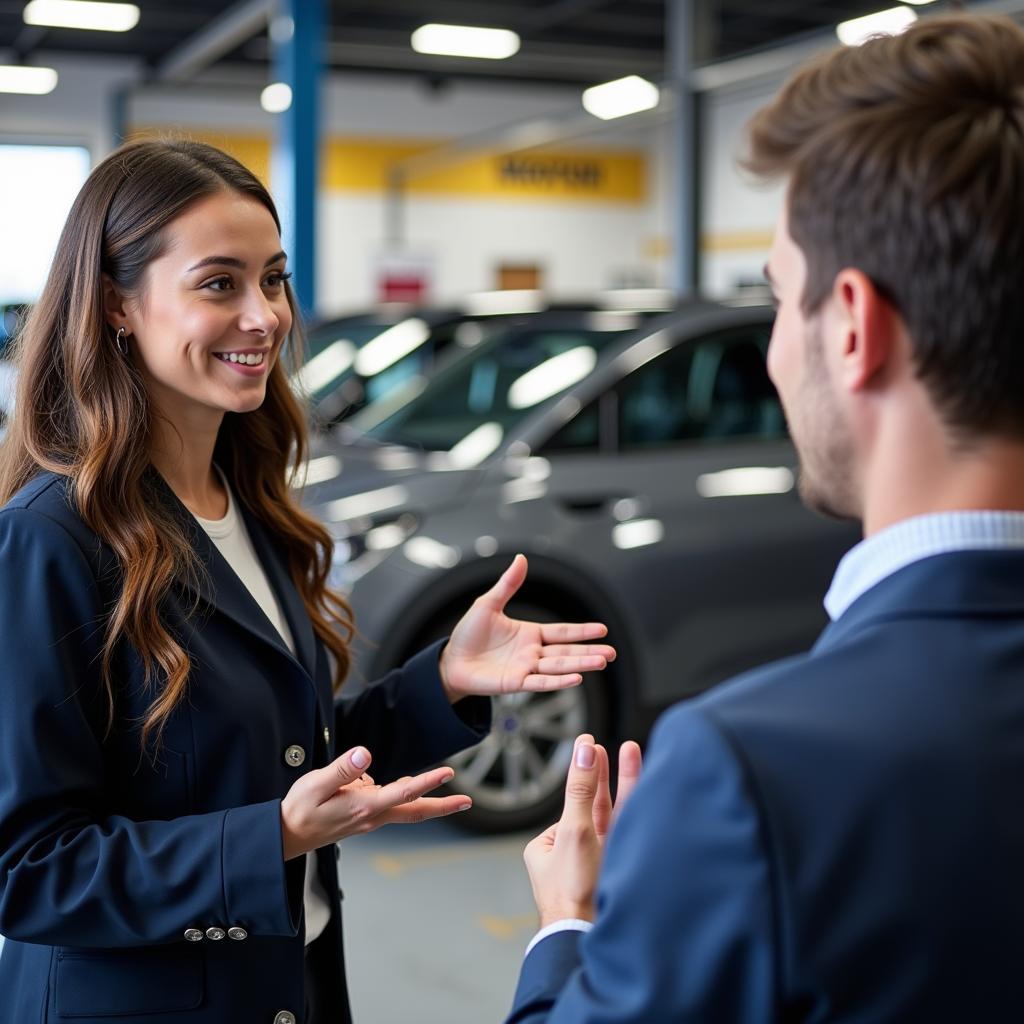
(516, 775)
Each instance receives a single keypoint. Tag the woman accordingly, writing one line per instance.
(170, 794)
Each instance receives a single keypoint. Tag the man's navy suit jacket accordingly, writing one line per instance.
(108, 856)
(835, 837)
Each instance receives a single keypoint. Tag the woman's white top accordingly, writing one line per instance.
(232, 540)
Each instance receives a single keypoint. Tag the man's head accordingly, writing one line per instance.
(903, 237)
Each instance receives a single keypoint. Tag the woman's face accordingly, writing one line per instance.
(209, 322)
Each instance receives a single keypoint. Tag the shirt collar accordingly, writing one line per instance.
(897, 546)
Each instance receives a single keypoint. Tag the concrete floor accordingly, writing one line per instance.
(436, 923)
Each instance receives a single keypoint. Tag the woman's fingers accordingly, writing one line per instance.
(406, 790)
(571, 632)
(571, 663)
(323, 783)
(423, 809)
(605, 651)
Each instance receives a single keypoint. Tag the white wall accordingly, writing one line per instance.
(579, 247)
(738, 214)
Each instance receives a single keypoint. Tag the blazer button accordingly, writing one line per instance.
(237, 933)
(294, 756)
(193, 935)
(284, 1017)
(327, 735)
(215, 933)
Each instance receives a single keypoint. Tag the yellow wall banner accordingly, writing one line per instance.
(364, 165)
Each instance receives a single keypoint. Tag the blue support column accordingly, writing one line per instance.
(297, 34)
(119, 115)
(682, 31)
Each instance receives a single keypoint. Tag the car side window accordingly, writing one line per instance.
(708, 389)
(582, 433)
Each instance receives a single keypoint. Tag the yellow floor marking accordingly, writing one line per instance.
(394, 864)
(506, 928)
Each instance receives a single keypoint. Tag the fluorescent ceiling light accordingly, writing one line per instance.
(553, 375)
(276, 98)
(745, 480)
(383, 538)
(476, 446)
(637, 533)
(100, 17)
(624, 96)
(326, 367)
(391, 345)
(317, 471)
(647, 299)
(522, 489)
(366, 504)
(465, 41)
(430, 553)
(32, 81)
(613, 320)
(890, 22)
(507, 300)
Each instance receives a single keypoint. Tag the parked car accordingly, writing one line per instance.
(648, 477)
(357, 359)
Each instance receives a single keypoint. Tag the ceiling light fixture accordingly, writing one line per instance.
(624, 96)
(29, 80)
(87, 14)
(276, 98)
(890, 22)
(465, 41)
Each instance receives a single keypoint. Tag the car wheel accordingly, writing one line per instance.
(516, 775)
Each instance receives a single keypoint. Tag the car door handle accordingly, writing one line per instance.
(590, 503)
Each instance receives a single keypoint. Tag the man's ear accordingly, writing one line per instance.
(869, 325)
(114, 309)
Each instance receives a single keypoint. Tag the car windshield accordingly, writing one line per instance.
(469, 407)
(331, 352)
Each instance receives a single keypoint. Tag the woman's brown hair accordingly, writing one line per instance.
(82, 411)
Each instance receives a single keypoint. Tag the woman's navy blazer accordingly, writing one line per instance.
(133, 888)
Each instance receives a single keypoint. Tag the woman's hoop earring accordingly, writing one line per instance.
(122, 341)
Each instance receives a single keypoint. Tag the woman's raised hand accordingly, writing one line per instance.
(490, 653)
(328, 804)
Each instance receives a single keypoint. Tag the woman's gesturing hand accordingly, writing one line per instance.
(490, 653)
(328, 804)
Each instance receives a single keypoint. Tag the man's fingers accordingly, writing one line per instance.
(423, 809)
(508, 583)
(603, 800)
(581, 785)
(630, 766)
(340, 772)
(405, 791)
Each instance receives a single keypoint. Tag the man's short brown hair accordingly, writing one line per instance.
(905, 159)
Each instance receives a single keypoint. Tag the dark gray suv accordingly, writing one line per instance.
(648, 476)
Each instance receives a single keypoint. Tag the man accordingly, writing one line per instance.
(840, 836)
